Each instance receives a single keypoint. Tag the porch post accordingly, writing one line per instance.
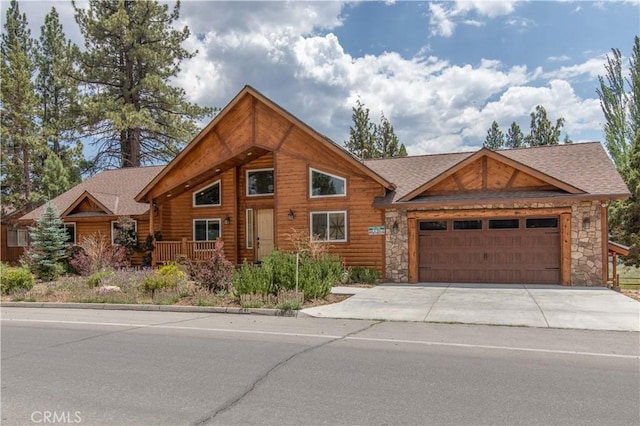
(151, 232)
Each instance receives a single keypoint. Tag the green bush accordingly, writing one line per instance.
(14, 279)
(362, 275)
(171, 269)
(316, 277)
(96, 278)
(252, 280)
(282, 267)
(155, 282)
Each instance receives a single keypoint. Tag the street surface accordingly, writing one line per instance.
(128, 367)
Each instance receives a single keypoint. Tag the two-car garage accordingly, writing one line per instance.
(490, 250)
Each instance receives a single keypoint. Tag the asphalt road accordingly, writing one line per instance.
(123, 367)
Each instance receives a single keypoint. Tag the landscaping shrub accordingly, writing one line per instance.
(15, 279)
(252, 280)
(282, 267)
(96, 278)
(97, 254)
(214, 273)
(317, 276)
(362, 275)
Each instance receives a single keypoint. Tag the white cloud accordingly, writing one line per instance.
(592, 68)
(444, 17)
(560, 58)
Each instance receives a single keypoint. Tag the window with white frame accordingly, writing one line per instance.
(260, 182)
(329, 226)
(17, 238)
(207, 196)
(323, 184)
(206, 229)
(116, 231)
(249, 230)
(70, 228)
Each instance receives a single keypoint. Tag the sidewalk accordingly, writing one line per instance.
(589, 308)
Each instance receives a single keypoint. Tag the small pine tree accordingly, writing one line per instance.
(514, 137)
(48, 245)
(495, 137)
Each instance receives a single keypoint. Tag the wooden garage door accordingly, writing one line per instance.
(504, 250)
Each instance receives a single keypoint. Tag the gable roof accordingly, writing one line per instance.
(250, 91)
(112, 190)
(584, 167)
(498, 156)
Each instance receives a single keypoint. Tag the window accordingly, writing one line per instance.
(17, 238)
(326, 185)
(504, 223)
(249, 233)
(440, 225)
(207, 196)
(547, 222)
(206, 229)
(260, 182)
(329, 226)
(71, 232)
(467, 224)
(115, 227)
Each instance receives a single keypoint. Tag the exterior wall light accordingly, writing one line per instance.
(291, 215)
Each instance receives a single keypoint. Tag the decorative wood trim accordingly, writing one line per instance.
(513, 178)
(604, 227)
(484, 152)
(484, 213)
(485, 173)
(565, 248)
(285, 136)
(80, 199)
(458, 182)
(412, 237)
(222, 141)
(254, 126)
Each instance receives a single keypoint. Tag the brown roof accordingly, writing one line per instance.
(585, 166)
(113, 189)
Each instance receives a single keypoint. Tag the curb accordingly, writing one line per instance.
(153, 308)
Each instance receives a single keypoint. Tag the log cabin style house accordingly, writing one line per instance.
(256, 173)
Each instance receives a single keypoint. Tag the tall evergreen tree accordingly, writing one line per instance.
(132, 52)
(614, 106)
(495, 137)
(58, 95)
(361, 134)
(543, 132)
(19, 109)
(385, 140)
(621, 107)
(48, 245)
(55, 176)
(514, 137)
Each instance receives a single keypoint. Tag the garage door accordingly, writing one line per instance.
(501, 250)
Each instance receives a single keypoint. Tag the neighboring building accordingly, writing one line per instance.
(256, 173)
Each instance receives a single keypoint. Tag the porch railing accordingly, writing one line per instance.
(168, 251)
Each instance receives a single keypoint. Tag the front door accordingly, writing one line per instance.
(264, 233)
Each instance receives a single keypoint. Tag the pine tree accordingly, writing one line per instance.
(48, 245)
(621, 107)
(55, 176)
(361, 134)
(514, 137)
(132, 52)
(385, 140)
(58, 95)
(495, 137)
(21, 143)
(543, 132)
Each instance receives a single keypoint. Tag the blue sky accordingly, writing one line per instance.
(440, 71)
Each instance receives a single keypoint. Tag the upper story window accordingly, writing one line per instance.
(260, 182)
(322, 184)
(207, 196)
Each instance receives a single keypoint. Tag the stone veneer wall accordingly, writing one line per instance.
(397, 246)
(586, 241)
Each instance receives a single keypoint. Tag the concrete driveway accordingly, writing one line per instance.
(589, 308)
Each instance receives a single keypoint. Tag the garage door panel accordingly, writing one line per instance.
(514, 255)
